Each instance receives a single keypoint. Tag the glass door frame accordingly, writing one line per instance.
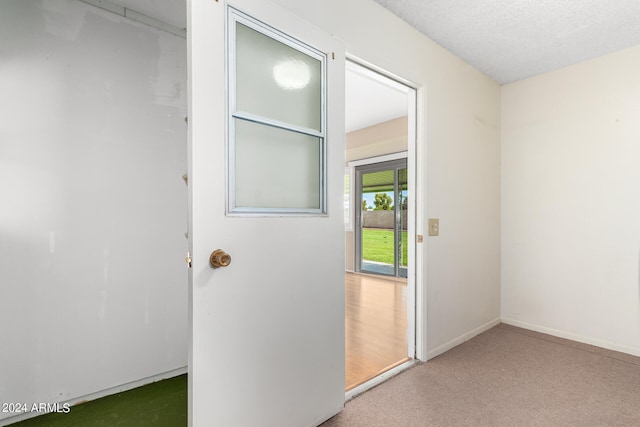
(396, 165)
(236, 115)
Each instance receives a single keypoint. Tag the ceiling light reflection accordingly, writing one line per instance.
(291, 74)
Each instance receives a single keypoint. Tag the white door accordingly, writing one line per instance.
(266, 163)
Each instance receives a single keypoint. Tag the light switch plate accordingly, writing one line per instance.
(434, 227)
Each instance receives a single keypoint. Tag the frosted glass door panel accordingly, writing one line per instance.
(276, 168)
(276, 81)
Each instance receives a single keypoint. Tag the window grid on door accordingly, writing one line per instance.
(277, 139)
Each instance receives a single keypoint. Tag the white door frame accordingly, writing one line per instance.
(416, 288)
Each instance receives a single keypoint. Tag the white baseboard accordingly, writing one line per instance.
(571, 336)
(99, 394)
(462, 338)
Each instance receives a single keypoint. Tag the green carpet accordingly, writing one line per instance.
(163, 403)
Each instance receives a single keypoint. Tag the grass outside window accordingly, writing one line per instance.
(377, 245)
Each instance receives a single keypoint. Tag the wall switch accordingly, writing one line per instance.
(434, 227)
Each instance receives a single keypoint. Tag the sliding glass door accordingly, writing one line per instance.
(381, 220)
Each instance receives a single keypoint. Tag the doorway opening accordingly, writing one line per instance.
(380, 232)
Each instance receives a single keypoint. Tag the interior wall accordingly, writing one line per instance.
(377, 140)
(571, 202)
(458, 162)
(92, 150)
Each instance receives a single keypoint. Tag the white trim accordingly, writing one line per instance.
(412, 185)
(379, 159)
(573, 337)
(420, 200)
(378, 75)
(416, 168)
(276, 123)
(377, 380)
(99, 394)
(462, 338)
(359, 61)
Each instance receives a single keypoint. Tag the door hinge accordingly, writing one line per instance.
(333, 55)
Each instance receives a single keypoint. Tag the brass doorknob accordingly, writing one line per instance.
(219, 258)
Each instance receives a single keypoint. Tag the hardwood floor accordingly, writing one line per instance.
(376, 326)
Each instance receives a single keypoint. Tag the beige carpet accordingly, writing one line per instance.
(507, 376)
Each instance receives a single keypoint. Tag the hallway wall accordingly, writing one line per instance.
(458, 158)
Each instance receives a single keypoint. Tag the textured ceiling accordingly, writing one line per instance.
(511, 40)
(508, 40)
